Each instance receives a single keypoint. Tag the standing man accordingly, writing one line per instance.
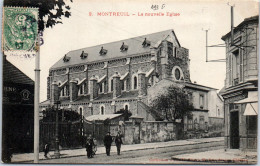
(107, 142)
(89, 146)
(46, 150)
(119, 142)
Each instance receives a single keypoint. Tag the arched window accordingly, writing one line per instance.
(102, 110)
(80, 111)
(127, 84)
(123, 84)
(111, 85)
(105, 86)
(101, 87)
(81, 89)
(67, 90)
(135, 82)
(126, 107)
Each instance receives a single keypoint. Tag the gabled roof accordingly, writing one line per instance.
(13, 74)
(113, 49)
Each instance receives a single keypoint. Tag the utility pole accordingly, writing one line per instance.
(36, 101)
(57, 150)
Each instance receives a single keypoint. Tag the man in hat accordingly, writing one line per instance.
(107, 142)
(89, 146)
(119, 142)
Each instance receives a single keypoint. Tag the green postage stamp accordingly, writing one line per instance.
(20, 29)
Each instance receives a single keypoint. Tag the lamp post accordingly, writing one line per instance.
(57, 151)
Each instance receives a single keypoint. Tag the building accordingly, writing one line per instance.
(207, 118)
(18, 110)
(241, 83)
(103, 79)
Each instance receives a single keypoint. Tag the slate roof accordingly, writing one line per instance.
(113, 49)
(14, 75)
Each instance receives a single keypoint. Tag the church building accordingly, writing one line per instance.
(126, 74)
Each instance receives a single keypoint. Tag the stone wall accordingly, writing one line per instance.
(149, 131)
(216, 127)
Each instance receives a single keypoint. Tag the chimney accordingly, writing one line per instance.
(117, 85)
(55, 92)
(142, 86)
(73, 90)
(93, 88)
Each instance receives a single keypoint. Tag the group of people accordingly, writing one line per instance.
(108, 140)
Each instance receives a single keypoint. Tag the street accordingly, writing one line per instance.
(147, 156)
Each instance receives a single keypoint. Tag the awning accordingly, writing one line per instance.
(102, 117)
(251, 103)
(251, 109)
(252, 98)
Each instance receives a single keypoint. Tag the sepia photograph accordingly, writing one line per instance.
(129, 82)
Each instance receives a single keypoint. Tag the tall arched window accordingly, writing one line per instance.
(126, 106)
(101, 87)
(102, 110)
(127, 84)
(123, 84)
(135, 82)
(80, 111)
(111, 85)
(81, 89)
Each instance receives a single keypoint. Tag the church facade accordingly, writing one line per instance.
(105, 78)
(126, 74)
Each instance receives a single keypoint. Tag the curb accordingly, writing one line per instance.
(69, 156)
(237, 161)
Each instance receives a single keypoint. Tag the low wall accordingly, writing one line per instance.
(151, 131)
(216, 127)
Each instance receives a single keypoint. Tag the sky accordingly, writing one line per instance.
(82, 30)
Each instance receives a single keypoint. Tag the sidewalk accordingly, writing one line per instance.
(234, 156)
(25, 157)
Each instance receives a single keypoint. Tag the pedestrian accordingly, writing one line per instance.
(89, 146)
(46, 150)
(107, 142)
(119, 142)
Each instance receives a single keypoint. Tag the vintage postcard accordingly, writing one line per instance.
(130, 82)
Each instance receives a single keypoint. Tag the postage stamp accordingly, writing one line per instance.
(20, 29)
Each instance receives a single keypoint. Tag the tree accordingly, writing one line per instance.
(49, 115)
(126, 113)
(47, 16)
(172, 105)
